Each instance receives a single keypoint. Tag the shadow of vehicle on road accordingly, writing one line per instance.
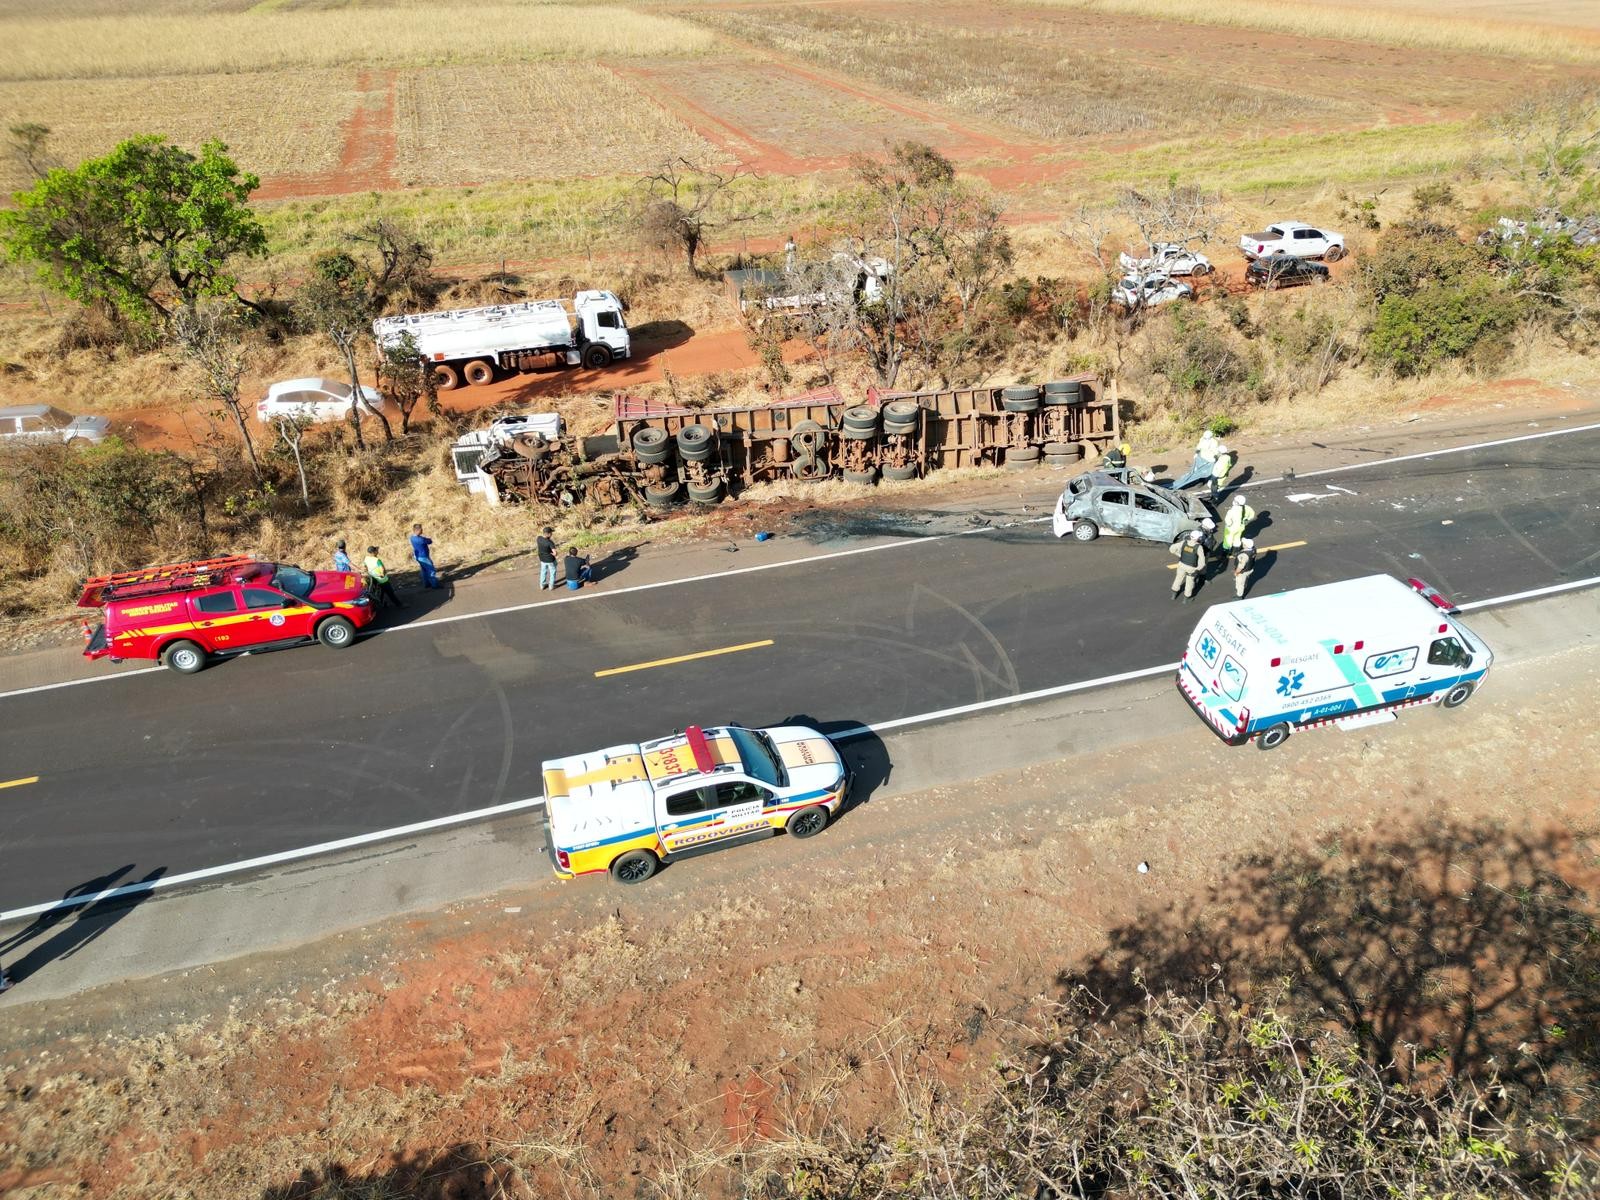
(86, 912)
(865, 756)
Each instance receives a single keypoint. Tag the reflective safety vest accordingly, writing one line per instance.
(1222, 466)
(1236, 519)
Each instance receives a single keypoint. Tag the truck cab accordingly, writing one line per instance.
(601, 324)
(628, 809)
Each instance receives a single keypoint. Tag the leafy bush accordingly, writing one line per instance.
(1198, 358)
(1414, 334)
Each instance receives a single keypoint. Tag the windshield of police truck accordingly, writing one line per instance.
(759, 755)
(293, 580)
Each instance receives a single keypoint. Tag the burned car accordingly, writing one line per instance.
(1126, 504)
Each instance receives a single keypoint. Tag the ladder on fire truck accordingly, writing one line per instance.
(155, 581)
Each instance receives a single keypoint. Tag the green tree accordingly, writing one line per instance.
(143, 226)
(337, 302)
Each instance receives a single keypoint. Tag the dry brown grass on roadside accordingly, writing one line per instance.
(1440, 30)
(201, 44)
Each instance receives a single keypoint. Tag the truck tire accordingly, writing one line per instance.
(706, 493)
(867, 477)
(1063, 450)
(1020, 391)
(901, 416)
(808, 822)
(336, 633)
(634, 867)
(1022, 458)
(861, 417)
(661, 495)
(596, 355)
(183, 657)
(1062, 393)
(1273, 736)
(650, 446)
(696, 443)
(478, 372)
(909, 471)
(1334, 254)
(445, 377)
(1021, 403)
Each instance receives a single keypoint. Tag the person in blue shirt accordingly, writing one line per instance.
(421, 550)
(341, 560)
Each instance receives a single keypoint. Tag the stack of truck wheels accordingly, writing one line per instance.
(652, 447)
(860, 424)
(902, 418)
(1021, 399)
(698, 444)
(1062, 394)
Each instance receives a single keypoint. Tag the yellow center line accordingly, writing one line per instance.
(19, 782)
(1259, 550)
(667, 662)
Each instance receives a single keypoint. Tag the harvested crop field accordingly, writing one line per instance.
(1066, 74)
(275, 122)
(466, 125)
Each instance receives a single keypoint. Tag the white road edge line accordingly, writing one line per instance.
(843, 735)
(815, 558)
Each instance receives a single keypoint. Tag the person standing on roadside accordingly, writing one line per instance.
(1220, 470)
(1191, 552)
(1244, 565)
(547, 559)
(378, 578)
(422, 551)
(341, 559)
(1235, 521)
(1205, 455)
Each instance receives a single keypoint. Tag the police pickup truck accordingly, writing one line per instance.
(628, 809)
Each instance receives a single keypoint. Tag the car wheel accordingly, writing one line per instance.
(1458, 695)
(336, 633)
(1334, 254)
(1202, 268)
(808, 822)
(77, 443)
(1085, 531)
(634, 867)
(1273, 736)
(183, 657)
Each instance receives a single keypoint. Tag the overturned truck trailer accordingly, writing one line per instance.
(664, 455)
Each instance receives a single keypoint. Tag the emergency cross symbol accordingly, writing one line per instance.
(1291, 683)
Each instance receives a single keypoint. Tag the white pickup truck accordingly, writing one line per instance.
(1167, 258)
(1296, 238)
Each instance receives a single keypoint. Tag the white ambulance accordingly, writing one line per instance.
(1344, 654)
(628, 809)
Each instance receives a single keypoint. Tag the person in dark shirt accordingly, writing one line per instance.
(576, 569)
(547, 559)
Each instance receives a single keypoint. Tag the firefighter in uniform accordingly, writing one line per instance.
(1191, 552)
(1235, 521)
(1220, 470)
(1115, 458)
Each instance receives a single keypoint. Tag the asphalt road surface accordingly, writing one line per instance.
(283, 750)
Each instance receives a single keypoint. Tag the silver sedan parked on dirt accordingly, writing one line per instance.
(1124, 504)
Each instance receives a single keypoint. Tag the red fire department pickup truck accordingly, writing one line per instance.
(185, 613)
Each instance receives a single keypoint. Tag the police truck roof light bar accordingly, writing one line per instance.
(151, 581)
(1431, 595)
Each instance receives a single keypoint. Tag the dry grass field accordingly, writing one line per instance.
(276, 122)
(1485, 27)
(530, 120)
(143, 44)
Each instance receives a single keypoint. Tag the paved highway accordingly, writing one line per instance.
(283, 750)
